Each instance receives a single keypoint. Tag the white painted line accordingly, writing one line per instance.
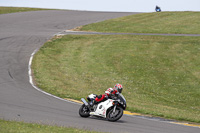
(38, 89)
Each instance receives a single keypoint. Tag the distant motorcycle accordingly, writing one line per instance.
(158, 9)
(111, 109)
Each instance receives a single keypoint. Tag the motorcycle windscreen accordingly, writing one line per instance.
(121, 97)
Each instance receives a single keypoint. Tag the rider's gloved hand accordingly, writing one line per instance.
(111, 96)
(117, 94)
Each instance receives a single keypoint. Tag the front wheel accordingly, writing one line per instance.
(84, 111)
(114, 116)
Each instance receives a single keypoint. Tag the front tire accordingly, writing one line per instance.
(84, 111)
(111, 116)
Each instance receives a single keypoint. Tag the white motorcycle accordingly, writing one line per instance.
(111, 109)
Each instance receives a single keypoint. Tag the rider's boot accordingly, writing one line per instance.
(93, 107)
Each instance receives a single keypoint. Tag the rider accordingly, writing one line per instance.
(109, 92)
(158, 9)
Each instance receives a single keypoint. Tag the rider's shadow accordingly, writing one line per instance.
(103, 119)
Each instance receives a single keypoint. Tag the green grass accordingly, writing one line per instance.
(160, 75)
(21, 127)
(163, 22)
(5, 10)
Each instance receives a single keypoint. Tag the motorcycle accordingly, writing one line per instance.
(110, 109)
(158, 9)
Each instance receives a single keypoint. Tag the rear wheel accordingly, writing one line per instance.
(114, 116)
(84, 111)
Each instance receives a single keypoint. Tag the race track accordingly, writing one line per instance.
(20, 35)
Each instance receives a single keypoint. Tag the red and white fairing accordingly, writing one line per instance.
(102, 107)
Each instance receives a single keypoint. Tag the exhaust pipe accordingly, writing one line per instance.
(83, 100)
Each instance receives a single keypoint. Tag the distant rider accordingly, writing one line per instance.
(158, 9)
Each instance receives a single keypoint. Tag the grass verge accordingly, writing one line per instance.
(160, 75)
(20, 127)
(163, 22)
(5, 10)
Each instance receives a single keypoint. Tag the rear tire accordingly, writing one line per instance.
(84, 111)
(114, 117)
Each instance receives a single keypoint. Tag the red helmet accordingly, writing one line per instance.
(118, 87)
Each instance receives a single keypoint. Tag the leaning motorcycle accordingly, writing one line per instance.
(111, 109)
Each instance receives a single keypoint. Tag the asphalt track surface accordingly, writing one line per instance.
(20, 35)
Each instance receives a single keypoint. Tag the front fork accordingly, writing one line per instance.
(115, 103)
(114, 109)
